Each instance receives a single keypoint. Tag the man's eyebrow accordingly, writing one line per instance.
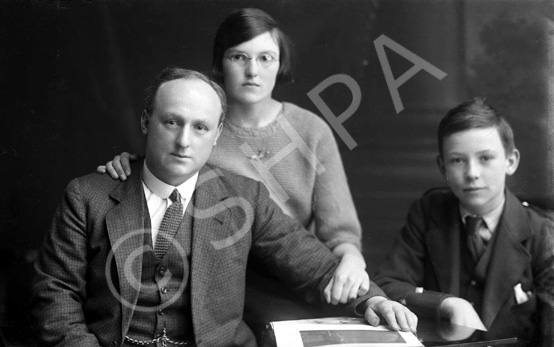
(167, 115)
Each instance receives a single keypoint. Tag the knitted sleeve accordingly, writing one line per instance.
(335, 214)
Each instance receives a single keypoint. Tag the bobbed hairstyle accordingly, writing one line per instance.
(243, 25)
(475, 114)
(175, 73)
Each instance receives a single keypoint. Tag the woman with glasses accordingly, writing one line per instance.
(291, 150)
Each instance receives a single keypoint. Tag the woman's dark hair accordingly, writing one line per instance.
(243, 25)
(475, 114)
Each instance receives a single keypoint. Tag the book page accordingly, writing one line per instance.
(338, 331)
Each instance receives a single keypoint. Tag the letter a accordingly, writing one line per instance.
(419, 64)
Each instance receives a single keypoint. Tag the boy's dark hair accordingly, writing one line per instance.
(175, 73)
(243, 25)
(475, 114)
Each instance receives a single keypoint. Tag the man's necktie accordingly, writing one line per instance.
(170, 223)
(475, 242)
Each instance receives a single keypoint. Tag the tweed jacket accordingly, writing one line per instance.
(427, 254)
(85, 287)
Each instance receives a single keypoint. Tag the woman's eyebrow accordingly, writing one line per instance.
(235, 50)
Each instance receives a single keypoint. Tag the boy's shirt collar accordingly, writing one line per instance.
(491, 219)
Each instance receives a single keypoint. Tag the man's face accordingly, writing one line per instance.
(475, 166)
(182, 129)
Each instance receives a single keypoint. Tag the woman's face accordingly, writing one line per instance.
(250, 69)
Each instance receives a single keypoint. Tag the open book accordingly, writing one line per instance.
(340, 332)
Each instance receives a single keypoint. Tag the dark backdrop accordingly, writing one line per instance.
(72, 76)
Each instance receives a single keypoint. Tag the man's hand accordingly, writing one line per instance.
(461, 312)
(397, 316)
(119, 167)
(349, 281)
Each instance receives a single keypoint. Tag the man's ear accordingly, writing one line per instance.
(440, 164)
(219, 130)
(512, 162)
(144, 119)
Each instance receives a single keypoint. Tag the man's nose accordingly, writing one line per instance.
(183, 138)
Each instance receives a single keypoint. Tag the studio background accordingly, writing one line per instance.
(73, 74)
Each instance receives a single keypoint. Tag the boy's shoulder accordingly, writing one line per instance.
(437, 204)
(540, 207)
(439, 196)
(525, 215)
(536, 223)
(538, 216)
(442, 191)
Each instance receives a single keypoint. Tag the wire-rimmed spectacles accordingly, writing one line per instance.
(243, 59)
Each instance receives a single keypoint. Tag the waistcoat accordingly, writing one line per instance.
(164, 297)
(473, 274)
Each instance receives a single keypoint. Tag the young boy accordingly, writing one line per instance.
(472, 253)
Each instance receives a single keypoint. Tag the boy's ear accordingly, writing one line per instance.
(512, 162)
(144, 119)
(440, 164)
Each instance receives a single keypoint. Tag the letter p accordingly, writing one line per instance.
(336, 122)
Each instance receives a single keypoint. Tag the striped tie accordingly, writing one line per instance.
(170, 223)
(474, 240)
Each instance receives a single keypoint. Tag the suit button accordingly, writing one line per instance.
(160, 312)
(473, 283)
(162, 270)
(164, 290)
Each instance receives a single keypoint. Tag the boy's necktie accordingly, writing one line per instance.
(170, 223)
(475, 242)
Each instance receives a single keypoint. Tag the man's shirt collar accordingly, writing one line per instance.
(164, 190)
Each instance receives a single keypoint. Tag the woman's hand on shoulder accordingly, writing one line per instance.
(119, 167)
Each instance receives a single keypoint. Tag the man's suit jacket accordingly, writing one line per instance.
(427, 254)
(85, 287)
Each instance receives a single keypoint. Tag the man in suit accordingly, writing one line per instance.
(160, 259)
(473, 253)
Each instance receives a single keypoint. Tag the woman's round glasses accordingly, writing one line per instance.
(243, 59)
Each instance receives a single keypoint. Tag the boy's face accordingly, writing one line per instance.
(475, 164)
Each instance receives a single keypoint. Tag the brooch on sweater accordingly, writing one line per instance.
(261, 154)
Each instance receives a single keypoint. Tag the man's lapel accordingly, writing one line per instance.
(210, 222)
(125, 224)
(509, 258)
(443, 242)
